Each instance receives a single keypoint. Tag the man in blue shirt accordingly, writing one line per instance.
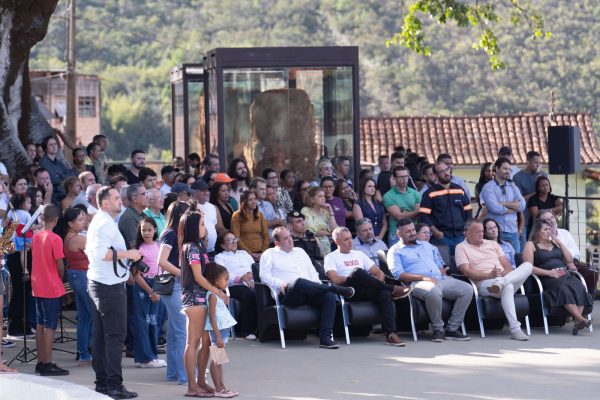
(504, 201)
(413, 261)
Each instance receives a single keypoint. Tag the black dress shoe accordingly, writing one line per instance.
(121, 393)
(102, 389)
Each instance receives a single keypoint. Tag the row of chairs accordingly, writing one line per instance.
(356, 318)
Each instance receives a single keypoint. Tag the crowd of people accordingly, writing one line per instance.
(169, 243)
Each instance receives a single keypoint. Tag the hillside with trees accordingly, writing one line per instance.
(133, 44)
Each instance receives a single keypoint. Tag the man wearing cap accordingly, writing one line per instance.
(183, 191)
(302, 238)
(201, 195)
(168, 177)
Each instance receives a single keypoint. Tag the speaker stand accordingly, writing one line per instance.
(567, 212)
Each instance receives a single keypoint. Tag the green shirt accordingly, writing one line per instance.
(160, 220)
(405, 202)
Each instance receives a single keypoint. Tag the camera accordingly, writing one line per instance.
(139, 266)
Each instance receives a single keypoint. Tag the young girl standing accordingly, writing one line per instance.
(145, 301)
(219, 322)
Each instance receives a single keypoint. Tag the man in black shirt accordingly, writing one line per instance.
(138, 161)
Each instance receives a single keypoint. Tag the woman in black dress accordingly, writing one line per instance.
(552, 260)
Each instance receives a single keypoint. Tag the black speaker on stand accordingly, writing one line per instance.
(563, 157)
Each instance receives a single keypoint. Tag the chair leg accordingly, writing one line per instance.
(464, 330)
(527, 325)
(232, 311)
(412, 319)
(281, 326)
(591, 327)
(346, 320)
(479, 317)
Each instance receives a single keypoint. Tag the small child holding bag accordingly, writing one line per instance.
(218, 325)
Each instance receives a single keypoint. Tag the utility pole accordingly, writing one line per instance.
(71, 121)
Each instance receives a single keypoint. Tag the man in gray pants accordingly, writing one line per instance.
(412, 260)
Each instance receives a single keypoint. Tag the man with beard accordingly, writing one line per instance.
(504, 201)
(365, 240)
(238, 171)
(445, 207)
(414, 261)
(138, 161)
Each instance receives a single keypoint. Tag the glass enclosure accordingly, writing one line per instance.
(281, 108)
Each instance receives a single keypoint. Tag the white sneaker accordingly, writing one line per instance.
(251, 336)
(519, 335)
(158, 363)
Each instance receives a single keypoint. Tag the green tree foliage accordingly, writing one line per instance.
(132, 45)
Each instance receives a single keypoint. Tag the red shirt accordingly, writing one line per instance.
(46, 249)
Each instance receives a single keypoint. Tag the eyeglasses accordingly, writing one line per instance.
(426, 233)
(231, 241)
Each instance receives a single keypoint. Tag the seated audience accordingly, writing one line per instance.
(303, 238)
(590, 276)
(551, 261)
(336, 203)
(219, 197)
(354, 269)
(484, 262)
(283, 198)
(366, 242)
(299, 195)
(289, 271)
(250, 227)
(345, 192)
(241, 284)
(414, 261)
(367, 206)
(543, 199)
(400, 202)
(491, 231)
(319, 218)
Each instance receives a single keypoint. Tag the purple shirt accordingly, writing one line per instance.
(339, 211)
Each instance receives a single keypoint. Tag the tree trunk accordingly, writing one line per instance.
(23, 23)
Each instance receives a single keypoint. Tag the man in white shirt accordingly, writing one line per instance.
(90, 192)
(590, 276)
(354, 269)
(289, 271)
(105, 246)
(201, 195)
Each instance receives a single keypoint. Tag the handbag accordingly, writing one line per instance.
(218, 355)
(163, 284)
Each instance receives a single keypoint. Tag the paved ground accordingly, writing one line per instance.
(555, 366)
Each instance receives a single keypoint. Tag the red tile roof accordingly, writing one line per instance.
(472, 140)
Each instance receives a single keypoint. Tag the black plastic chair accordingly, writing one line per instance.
(276, 319)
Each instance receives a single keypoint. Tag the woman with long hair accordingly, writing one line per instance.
(367, 206)
(241, 284)
(299, 195)
(543, 199)
(318, 218)
(219, 197)
(551, 263)
(193, 260)
(491, 231)
(345, 192)
(168, 261)
(36, 196)
(250, 226)
(70, 226)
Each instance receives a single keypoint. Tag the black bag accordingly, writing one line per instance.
(163, 284)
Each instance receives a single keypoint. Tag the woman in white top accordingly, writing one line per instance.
(241, 284)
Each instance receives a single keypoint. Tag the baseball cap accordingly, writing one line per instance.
(179, 187)
(222, 177)
(199, 185)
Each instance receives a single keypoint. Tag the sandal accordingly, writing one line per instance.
(5, 369)
(226, 394)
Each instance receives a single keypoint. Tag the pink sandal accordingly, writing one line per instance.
(226, 394)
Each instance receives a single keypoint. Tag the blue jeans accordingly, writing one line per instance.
(85, 312)
(145, 329)
(451, 242)
(162, 319)
(512, 238)
(176, 335)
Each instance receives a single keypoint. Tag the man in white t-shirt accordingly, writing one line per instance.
(201, 195)
(353, 268)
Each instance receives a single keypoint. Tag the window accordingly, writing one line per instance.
(87, 107)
